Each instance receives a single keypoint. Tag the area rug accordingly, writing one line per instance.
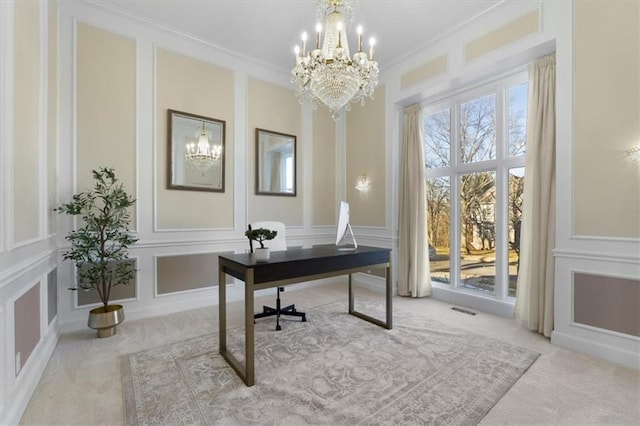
(334, 369)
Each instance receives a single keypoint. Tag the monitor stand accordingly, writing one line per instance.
(355, 244)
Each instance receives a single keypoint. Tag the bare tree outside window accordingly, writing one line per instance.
(478, 129)
(438, 225)
(518, 119)
(437, 134)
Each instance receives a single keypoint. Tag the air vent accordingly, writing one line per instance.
(464, 311)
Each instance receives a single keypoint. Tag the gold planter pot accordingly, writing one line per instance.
(105, 321)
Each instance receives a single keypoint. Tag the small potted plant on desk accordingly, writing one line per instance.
(99, 247)
(260, 235)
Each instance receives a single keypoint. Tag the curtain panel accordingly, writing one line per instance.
(535, 290)
(414, 277)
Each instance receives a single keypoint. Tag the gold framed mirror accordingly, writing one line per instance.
(275, 163)
(196, 152)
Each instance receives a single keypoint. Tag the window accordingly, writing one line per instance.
(475, 157)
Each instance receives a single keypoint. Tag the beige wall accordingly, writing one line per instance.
(607, 118)
(424, 72)
(366, 154)
(324, 168)
(106, 106)
(189, 85)
(52, 119)
(26, 120)
(507, 34)
(275, 108)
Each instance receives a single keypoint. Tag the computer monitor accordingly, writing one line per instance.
(343, 227)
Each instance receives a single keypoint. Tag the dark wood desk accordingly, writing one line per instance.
(289, 267)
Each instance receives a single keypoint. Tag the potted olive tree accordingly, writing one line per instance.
(99, 246)
(260, 235)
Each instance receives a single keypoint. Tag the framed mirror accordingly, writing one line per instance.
(195, 151)
(275, 163)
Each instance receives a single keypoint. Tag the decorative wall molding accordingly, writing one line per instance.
(597, 256)
(25, 384)
(3, 367)
(605, 331)
(158, 230)
(35, 262)
(605, 344)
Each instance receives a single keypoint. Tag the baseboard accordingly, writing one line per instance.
(609, 353)
(481, 303)
(371, 282)
(195, 300)
(30, 375)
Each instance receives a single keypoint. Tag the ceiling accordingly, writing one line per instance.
(266, 31)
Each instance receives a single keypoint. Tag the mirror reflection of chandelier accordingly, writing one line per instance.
(203, 155)
(329, 74)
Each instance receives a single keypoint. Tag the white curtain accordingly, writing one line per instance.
(414, 277)
(534, 294)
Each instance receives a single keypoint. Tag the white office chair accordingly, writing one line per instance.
(279, 243)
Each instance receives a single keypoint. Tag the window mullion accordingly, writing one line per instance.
(454, 228)
(502, 225)
(502, 124)
(502, 192)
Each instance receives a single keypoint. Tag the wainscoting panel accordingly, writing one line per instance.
(119, 292)
(596, 303)
(27, 325)
(187, 272)
(607, 302)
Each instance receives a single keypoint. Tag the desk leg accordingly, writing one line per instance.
(249, 329)
(389, 299)
(222, 309)
(389, 314)
(350, 296)
(246, 369)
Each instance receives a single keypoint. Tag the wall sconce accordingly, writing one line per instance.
(633, 154)
(363, 183)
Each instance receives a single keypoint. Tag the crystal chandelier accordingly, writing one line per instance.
(329, 74)
(203, 155)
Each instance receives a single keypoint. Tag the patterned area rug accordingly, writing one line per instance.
(333, 369)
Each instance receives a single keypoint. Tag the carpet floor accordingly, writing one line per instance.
(333, 369)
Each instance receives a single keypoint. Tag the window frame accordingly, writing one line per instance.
(500, 165)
